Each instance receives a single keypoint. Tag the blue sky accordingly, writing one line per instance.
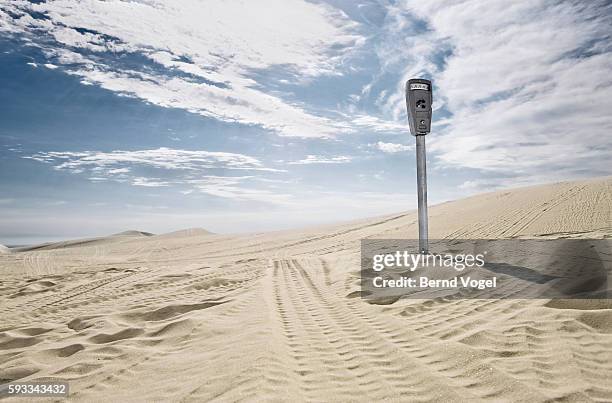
(249, 116)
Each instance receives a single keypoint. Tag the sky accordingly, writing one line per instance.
(247, 116)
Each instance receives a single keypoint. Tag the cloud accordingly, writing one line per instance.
(199, 57)
(523, 94)
(379, 125)
(118, 171)
(320, 159)
(149, 182)
(392, 148)
(164, 167)
(236, 188)
(469, 185)
(112, 163)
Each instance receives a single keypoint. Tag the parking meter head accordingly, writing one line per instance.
(418, 103)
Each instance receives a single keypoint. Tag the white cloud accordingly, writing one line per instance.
(55, 203)
(165, 167)
(529, 88)
(118, 171)
(470, 185)
(380, 125)
(392, 148)
(235, 188)
(214, 46)
(149, 182)
(162, 158)
(320, 159)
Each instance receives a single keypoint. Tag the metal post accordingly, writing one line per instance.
(422, 193)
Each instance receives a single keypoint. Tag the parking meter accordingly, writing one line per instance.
(418, 102)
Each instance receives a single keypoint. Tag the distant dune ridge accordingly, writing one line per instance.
(189, 232)
(119, 237)
(196, 316)
(4, 250)
(133, 233)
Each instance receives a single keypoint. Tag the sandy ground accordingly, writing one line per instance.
(273, 316)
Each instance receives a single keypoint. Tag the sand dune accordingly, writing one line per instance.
(132, 233)
(4, 250)
(196, 316)
(189, 232)
(119, 237)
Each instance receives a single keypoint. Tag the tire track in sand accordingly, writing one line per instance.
(335, 349)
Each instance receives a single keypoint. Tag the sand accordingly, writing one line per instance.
(4, 250)
(195, 316)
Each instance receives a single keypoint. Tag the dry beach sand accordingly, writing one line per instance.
(276, 316)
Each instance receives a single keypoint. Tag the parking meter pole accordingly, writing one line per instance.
(422, 194)
(419, 100)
